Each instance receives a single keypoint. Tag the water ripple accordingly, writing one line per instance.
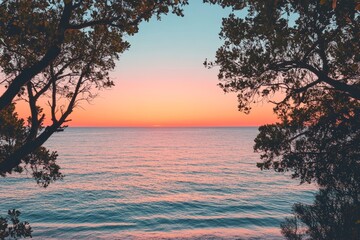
(128, 183)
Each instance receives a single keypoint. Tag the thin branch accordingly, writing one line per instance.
(56, 76)
(297, 136)
(306, 87)
(111, 21)
(34, 113)
(53, 51)
(53, 96)
(352, 90)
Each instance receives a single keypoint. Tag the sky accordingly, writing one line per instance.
(161, 80)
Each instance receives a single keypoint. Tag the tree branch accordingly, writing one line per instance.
(34, 113)
(352, 90)
(28, 73)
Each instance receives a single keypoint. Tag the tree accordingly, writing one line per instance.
(334, 215)
(61, 52)
(41, 162)
(17, 229)
(316, 142)
(307, 53)
(290, 47)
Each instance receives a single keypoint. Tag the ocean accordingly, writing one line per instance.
(156, 183)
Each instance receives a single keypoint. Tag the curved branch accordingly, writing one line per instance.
(352, 90)
(27, 74)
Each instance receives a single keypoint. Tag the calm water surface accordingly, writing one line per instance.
(141, 183)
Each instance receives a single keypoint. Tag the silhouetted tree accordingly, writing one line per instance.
(61, 51)
(292, 47)
(307, 54)
(334, 215)
(41, 162)
(11, 227)
(316, 142)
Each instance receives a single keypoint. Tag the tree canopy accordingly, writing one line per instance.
(11, 227)
(307, 54)
(60, 52)
(291, 47)
(335, 214)
(40, 162)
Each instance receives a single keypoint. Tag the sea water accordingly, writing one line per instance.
(156, 183)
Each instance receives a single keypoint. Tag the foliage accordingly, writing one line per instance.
(335, 214)
(290, 47)
(13, 134)
(61, 52)
(316, 142)
(307, 53)
(15, 229)
(319, 143)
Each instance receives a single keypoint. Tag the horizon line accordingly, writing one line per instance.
(116, 126)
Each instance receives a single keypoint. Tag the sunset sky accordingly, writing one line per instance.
(161, 80)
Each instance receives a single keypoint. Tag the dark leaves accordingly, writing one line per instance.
(41, 162)
(11, 227)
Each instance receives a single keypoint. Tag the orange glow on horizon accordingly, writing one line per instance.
(187, 99)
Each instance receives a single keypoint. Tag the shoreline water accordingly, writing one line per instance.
(177, 183)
